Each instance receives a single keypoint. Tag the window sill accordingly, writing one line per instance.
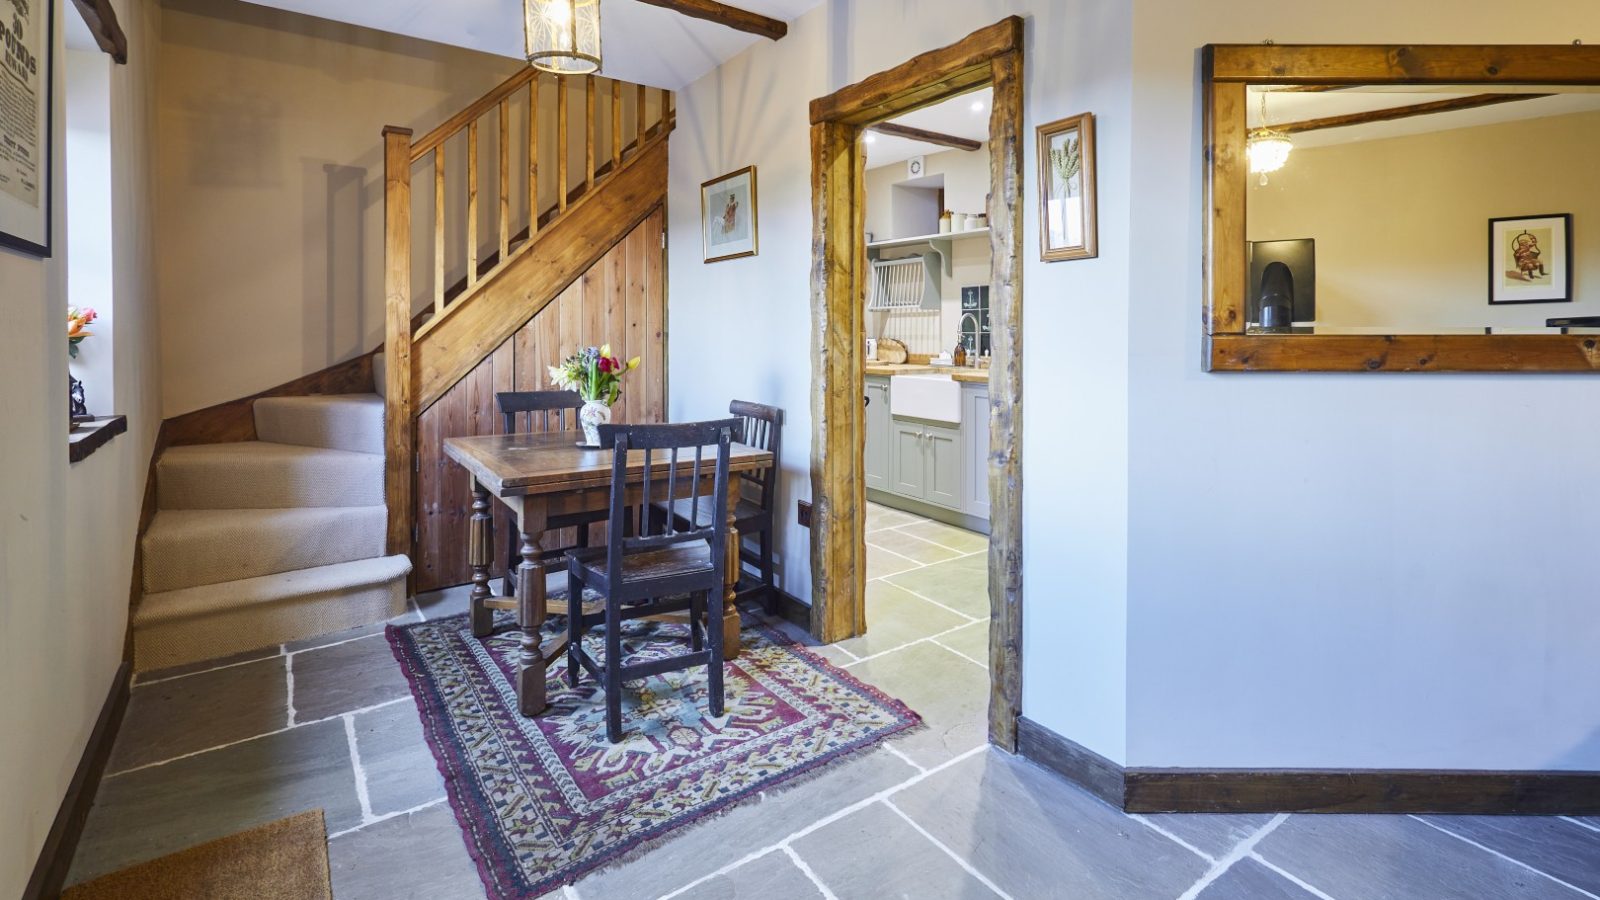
(91, 436)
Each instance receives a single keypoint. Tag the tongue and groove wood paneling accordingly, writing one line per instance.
(620, 300)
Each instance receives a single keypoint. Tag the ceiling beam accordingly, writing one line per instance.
(927, 137)
(1405, 112)
(102, 21)
(723, 14)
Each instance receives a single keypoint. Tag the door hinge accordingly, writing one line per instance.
(663, 240)
(416, 536)
(416, 463)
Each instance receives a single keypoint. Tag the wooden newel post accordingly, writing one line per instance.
(399, 433)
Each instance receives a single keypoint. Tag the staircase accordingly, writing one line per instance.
(268, 541)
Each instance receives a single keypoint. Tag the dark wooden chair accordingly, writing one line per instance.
(763, 429)
(655, 568)
(549, 409)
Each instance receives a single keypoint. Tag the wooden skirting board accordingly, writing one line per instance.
(1444, 791)
(55, 858)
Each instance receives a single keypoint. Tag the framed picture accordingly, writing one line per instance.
(26, 41)
(1530, 259)
(728, 223)
(1067, 228)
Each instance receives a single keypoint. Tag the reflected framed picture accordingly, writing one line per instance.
(26, 40)
(1067, 227)
(1530, 259)
(728, 223)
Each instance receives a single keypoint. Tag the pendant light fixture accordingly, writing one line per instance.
(563, 36)
(1267, 147)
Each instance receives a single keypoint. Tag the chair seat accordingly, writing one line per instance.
(693, 558)
(746, 512)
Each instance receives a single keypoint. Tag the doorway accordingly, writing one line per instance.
(990, 58)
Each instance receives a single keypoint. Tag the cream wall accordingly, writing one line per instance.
(67, 532)
(1402, 224)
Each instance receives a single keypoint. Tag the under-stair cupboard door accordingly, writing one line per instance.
(621, 300)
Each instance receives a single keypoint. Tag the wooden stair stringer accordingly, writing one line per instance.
(476, 325)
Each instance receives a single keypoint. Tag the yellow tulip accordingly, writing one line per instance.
(633, 363)
(606, 350)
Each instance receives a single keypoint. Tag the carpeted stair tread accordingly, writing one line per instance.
(267, 475)
(351, 422)
(276, 588)
(195, 547)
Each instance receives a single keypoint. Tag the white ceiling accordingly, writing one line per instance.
(966, 116)
(640, 43)
(1297, 106)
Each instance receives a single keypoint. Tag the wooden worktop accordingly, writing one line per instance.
(963, 375)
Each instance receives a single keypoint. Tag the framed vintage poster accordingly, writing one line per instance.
(1530, 259)
(26, 39)
(728, 223)
(1067, 227)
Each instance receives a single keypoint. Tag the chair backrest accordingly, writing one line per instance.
(763, 430)
(543, 407)
(671, 445)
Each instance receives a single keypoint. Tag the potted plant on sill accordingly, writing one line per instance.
(77, 323)
(597, 377)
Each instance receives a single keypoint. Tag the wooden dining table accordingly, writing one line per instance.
(541, 476)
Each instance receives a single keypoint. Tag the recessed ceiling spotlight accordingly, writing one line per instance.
(977, 106)
(871, 138)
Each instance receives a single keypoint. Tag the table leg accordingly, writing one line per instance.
(531, 690)
(480, 556)
(730, 606)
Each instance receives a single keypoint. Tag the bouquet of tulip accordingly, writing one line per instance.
(77, 320)
(594, 373)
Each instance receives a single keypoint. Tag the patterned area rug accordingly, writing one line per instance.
(541, 802)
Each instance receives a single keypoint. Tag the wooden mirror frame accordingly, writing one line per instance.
(1227, 70)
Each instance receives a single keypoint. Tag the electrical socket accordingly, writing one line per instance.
(805, 514)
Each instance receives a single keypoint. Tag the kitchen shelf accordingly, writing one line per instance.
(939, 243)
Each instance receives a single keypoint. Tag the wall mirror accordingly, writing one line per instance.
(1419, 208)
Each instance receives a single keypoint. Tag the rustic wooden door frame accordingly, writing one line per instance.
(990, 56)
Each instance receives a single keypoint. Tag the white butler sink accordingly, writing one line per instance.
(933, 397)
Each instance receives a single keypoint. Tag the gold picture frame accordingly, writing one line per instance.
(1068, 226)
(734, 232)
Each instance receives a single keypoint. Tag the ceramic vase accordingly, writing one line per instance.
(594, 414)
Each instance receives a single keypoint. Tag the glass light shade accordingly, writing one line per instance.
(563, 36)
(1269, 150)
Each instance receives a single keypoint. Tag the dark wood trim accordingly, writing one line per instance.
(992, 56)
(1455, 104)
(1072, 761)
(1363, 791)
(101, 18)
(930, 78)
(723, 14)
(1403, 353)
(927, 137)
(81, 444)
(1445, 792)
(235, 420)
(55, 858)
(1343, 64)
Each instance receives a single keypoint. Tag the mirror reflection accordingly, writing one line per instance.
(1423, 209)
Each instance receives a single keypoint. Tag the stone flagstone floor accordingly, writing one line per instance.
(213, 749)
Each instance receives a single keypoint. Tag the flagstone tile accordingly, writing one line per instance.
(909, 546)
(896, 618)
(882, 563)
(1212, 833)
(875, 853)
(957, 539)
(1250, 880)
(166, 808)
(755, 825)
(1035, 835)
(1383, 857)
(420, 856)
(399, 767)
(196, 712)
(961, 584)
(206, 665)
(1551, 845)
(950, 693)
(971, 641)
(331, 681)
(881, 517)
(769, 877)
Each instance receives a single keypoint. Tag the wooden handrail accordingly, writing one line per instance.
(508, 242)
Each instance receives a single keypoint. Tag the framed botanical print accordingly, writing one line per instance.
(1530, 259)
(26, 41)
(1067, 226)
(728, 223)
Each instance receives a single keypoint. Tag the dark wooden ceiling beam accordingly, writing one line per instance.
(1453, 104)
(723, 14)
(927, 137)
(102, 21)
